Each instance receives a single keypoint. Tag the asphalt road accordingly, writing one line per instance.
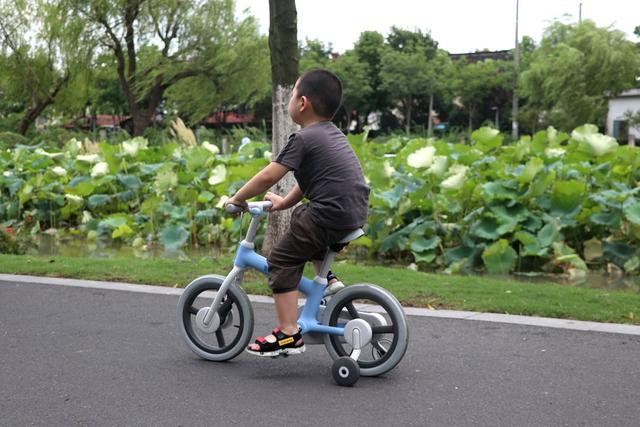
(74, 356)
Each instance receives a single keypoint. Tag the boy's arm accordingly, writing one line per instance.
(282, 203)
(260, 183)
(294, 196)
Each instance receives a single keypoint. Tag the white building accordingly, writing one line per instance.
(617, 125)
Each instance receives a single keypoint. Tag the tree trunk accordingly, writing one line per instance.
(34, 112)
(283, 45)
(429, 118)
(407, 125)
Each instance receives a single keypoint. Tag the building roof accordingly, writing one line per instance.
(109, 120)
(220, 117)
(472, 57)
(631, 93)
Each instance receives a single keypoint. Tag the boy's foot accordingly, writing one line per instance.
(277, 344)
(333, 284)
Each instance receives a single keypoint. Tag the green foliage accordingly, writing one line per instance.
(475, 82)
(407, 74)
(527, 206)
(127, 192)
(551, 202)
(11, 139)
(573, 71)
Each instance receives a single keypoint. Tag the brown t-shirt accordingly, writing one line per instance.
(329, 175)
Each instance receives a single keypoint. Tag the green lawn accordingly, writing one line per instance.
(412, 288)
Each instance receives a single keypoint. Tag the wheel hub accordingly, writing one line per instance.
(357, 333)
(210, 327)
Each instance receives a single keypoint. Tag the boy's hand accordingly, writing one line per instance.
(277, 201)
(237, 202)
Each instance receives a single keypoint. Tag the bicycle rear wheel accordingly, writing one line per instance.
(235, 319)
(383, 312)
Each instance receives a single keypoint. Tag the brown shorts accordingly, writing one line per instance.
(303, 241)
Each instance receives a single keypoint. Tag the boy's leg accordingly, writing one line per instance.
(287, 312)
(333, 284)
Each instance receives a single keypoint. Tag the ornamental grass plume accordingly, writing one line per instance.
(182, 132)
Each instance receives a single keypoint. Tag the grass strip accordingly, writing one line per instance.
(412, 288)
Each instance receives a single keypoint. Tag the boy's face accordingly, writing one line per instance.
(296, 104)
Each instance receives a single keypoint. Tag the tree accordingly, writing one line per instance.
(45, 55)
(573, 71)
(314, 54)
(158, 44)
(369, 50)
(408, 75)
(633, 120)
(356, 87)
(283, 45)
(477, 82)
(402, 40)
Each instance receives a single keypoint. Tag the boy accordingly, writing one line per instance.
(329, 175)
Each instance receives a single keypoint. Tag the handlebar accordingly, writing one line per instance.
(254, 208)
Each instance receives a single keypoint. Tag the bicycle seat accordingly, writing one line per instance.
(352, 236)
(340, 245)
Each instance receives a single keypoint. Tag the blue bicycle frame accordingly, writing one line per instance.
(246, 257)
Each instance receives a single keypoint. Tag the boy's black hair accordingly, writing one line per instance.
(324, 90)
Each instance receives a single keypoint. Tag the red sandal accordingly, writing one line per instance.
(283, 345)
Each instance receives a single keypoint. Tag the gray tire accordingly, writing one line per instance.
(236, 329)
(393, 342)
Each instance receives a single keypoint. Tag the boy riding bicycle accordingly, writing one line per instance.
(329, 175)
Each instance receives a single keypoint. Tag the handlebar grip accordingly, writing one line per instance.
(233, 209)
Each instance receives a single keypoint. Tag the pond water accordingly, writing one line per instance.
(50, 246)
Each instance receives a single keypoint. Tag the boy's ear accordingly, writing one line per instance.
(305, 104)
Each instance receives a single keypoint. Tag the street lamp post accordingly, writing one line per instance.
(516, 58)
(497, 117)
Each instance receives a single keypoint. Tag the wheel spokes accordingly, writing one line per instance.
(352, 310)
(386, 329)
(220, 338)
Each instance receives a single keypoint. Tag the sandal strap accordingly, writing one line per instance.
(282, 341)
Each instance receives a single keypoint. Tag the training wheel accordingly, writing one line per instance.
(345, 371)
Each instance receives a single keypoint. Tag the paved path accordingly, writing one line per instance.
(77, 356)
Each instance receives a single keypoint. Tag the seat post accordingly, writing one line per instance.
(326, 266)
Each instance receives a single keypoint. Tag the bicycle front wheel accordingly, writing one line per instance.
(235, 319)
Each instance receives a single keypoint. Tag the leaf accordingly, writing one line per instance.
(122, 231)
(530, 244)
(499, 258)
(205, 197)
(173, 236)
(540, 184)
(531, 169)
(548, 234)
(424, 257)
(592, 142)
(150, 205)
(486, 228)
(218, 175)
(592, 250)
(98, 200)
(166, 180)
(610, 219)
(567, 197)
(617, 252)
(131, 182)
(498, 190)
(421, 244)
(487, 139)
(566, 258)
(632, 212)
